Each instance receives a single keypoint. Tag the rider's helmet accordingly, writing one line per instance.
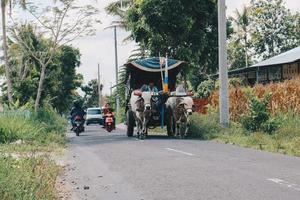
(76, 104)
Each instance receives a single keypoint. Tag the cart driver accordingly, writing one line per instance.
(152, 87)
(149, 88)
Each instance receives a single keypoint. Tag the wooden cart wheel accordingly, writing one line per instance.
(130, 123)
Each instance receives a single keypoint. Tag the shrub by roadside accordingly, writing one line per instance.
(27, 140)
(205, 127)
(44, 127)
(286, 139)
(285, 98)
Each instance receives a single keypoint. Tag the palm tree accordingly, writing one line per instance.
(4, 4)
(118, 7)
(242, 22)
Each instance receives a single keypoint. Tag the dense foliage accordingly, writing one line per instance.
(205, 88)
(61, 79)
(263, 29)
(91, 93)
(258, 118)
(185, 30)
(274, 28)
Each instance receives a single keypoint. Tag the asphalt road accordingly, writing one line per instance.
(110, 166)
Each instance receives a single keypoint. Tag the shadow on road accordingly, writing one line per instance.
(96, 135)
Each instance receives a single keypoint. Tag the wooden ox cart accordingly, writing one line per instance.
(142, 72)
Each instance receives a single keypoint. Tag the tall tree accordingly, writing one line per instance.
(236, 55)
(61, 79)
(91, 93)
(61, 23)
(4, 4)
(185, 30)
(273, 29)
(119, 8)
(241, 36)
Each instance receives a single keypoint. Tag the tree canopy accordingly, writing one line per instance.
(183, 29)
(264, 29)
(61, 80)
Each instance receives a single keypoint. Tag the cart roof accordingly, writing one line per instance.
(148, 70)
(153, 64)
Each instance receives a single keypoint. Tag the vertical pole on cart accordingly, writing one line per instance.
(166, 89)
(166, 81)
(161, 62)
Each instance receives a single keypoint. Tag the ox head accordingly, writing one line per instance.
(186, 104)
(144, 101)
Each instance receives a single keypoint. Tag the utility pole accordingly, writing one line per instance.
(116, 68)
(110, 89)
(223, 70)
(99, 87)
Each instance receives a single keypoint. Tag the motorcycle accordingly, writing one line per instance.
(78, 125)
(109, 122)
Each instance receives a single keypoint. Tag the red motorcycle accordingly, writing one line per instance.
(78, 125)
(109, 121)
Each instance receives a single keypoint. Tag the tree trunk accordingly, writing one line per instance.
(6, 63)
(40, 88)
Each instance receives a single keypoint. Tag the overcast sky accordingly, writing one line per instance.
(100, 48)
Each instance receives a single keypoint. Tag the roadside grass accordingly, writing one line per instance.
(285, 140)
(44, 128)
(27, 178)
(27, 142)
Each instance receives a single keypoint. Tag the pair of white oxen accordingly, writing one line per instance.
(179, 107)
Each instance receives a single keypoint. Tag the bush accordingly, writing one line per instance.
(41, 127)
(205, 126)
(271, 125)
(205, 88)
(258, 118)
(52, 121)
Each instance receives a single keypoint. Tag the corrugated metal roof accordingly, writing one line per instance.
(284, 58)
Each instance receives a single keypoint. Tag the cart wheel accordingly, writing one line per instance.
(130, 123)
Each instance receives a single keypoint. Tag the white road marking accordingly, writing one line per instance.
(178, 151)
(285, 183)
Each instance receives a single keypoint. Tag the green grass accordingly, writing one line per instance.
(30, 177)
(285, 140)
(45, 127)
(27, 178)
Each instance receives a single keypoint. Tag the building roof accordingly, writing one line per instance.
(284, 58)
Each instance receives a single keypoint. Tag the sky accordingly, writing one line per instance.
(100, 48)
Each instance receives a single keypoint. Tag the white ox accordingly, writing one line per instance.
(180, 108)
(141, 108)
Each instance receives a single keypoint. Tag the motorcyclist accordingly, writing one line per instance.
(106, 110)
(76, 110)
